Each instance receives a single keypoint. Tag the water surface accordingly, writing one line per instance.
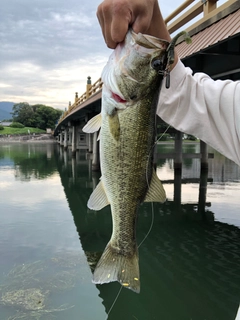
(50, 241)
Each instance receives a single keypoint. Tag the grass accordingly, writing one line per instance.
(14, 131)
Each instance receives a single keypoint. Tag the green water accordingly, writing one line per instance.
(49, 240)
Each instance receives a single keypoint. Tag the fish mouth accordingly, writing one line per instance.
(117, 98)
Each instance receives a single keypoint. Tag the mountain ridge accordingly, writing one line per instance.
(5, 110)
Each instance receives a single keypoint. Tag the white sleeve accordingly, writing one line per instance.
(207, 109)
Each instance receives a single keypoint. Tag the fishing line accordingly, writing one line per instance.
(152, 221)
(114, 302)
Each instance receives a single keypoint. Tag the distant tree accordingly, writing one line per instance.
(37, 115)
(46, 117)
(23, 113)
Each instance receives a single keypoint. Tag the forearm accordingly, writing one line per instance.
(205, 108)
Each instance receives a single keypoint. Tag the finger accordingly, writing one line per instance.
(105, 21)
(141, 24)
(119, 28)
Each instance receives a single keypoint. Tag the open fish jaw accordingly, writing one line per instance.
(129, 72)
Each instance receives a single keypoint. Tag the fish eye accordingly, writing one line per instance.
(157, 64)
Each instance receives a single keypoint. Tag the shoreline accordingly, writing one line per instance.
(37, 138)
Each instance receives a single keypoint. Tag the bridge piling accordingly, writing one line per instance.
(65, 144)
(96, 158)
(74, 140)
(61, 138)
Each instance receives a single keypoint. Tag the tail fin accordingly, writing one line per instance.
(114, 266)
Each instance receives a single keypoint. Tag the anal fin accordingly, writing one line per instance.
(98, 199)
(156, 192)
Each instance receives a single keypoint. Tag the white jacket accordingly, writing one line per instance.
(207, 109)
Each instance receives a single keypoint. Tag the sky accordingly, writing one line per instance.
(48, 48)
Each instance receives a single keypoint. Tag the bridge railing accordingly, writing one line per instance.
(208, 8)
(177, 19)
(91, 89)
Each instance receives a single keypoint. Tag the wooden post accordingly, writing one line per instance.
(208, 6)
(76, 96)
(178, 150)
(95, 160)
(202, 192)
(204, 155)
(177, 187)
(90, 142)
(88, 87)
(74, 140)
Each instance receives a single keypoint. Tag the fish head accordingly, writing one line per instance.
(134, 70)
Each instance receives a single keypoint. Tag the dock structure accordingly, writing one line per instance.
(215, 50)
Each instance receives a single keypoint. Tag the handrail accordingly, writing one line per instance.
(183, 6)
(91, 89)
(202, 6)
(209, 9)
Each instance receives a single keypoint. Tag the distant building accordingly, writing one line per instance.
(5, 123)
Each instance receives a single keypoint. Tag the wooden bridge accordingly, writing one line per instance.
(215, 50)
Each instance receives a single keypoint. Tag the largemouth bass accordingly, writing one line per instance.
(132, 80)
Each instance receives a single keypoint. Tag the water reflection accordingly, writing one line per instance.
(30, 161)
(189, 264)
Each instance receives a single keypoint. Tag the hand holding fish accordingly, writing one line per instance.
(116, 16)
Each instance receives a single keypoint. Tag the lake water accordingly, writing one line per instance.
(49, 240)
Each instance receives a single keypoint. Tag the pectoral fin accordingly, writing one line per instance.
(114, 126)
(98, 199)
(93, 124)
(156, 192)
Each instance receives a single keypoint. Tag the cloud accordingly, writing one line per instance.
(48, 48)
